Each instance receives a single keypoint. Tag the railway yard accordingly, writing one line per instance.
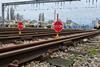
(49, 33)
(41, 48)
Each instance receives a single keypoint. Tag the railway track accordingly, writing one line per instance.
(5, 32)
(26, 52)
(10, 37)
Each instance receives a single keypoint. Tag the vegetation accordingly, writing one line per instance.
(92, 52)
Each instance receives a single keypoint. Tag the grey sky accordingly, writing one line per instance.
(80, 12)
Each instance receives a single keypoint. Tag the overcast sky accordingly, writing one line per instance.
(80, 12)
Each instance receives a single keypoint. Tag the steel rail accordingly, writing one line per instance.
(24, 53)
(32, 44)
(32, 35)
(41, 42)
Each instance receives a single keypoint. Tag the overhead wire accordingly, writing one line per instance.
(58, 3)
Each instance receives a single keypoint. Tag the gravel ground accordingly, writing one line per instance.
(85, 54)
(19, 42)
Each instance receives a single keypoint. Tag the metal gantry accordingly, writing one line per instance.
(35, 1)
(29, 2)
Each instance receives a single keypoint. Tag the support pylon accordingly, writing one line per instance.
(20, 32)
(57, 35)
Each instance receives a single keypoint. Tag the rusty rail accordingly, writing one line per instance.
(24, 53)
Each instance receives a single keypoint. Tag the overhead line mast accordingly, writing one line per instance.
(28, 2)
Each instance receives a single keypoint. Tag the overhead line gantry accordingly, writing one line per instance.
(28, 2)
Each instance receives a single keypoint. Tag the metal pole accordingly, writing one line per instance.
(57, 16)
(3, 14)
(54, 15)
